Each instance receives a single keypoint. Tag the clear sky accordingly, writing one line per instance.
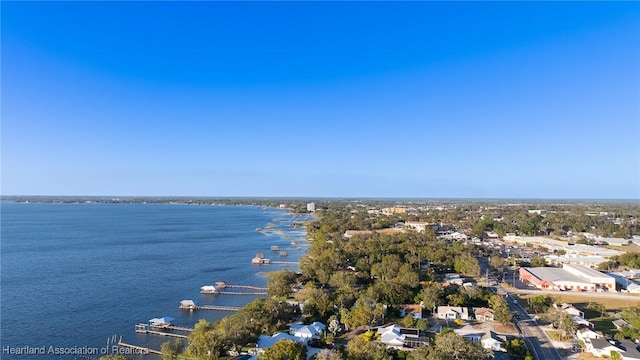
(327, 99)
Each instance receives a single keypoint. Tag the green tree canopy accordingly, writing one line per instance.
(285, 350)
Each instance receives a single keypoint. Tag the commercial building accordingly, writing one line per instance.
(570, 277)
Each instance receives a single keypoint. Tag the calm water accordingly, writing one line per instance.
(73, 275)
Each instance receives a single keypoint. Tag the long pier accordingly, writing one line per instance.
(241, 293)
(246, 287)
(146, 329)
(217, 308)
(285, 263)
(174, 328)
(139, 349)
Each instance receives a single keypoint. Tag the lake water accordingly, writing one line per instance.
(74, 275)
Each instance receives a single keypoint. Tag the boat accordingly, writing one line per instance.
(283, 253)
(274, 248)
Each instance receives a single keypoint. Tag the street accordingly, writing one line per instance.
(539, 343)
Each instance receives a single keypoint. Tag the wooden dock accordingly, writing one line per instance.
(246, 287)
(241, 293)
(139, 349)
(146, 329)
(285, 263)
(217, 308)
(174, 328)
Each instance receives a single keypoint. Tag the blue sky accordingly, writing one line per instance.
(327, 99)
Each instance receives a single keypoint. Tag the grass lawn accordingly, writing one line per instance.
(604, 324)
(581, 302)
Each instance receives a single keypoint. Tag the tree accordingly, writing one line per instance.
(515, 347)
(359, 348)
(496, 261)
(205, 342)
(171, 350)
(409, 321)
(420, 353)
(316, 301)
(334, 326)
(500, 308)
(285, 350)
(449, 346)
(280, 283)
(327, 354)
(431, 295)
(598, 308)
(538, 261)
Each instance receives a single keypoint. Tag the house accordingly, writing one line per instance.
(620, 324)
(397, 337)
(413, 310)
(453, 312)
(266, 341)
(569, 309)
(453, 278)
(579, 320)
(483, 314)
(311, 331)
(602, 347)
(493, 341)
(585, 334)
(630, 350)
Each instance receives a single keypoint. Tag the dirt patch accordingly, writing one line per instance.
(504, 329)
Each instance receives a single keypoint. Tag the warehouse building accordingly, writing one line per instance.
(569, 277)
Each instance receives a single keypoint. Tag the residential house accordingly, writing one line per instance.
(413, 310)
(493, 341)
(620, 324)
(483, 314)
(586, 334)
(579, 320)
(569, 309)
(453, 312)
(602, 347)
(630, 350)
(399, 337)
(267, 341)
(311, 331)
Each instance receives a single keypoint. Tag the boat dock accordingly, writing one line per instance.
(246, 287)
(285, 263)
(139, 349)
(217, 308)
(241, 293)
(174, 328)
(146, 329)
(191, 306)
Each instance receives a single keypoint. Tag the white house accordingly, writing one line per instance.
(601, 347)
(395, 336)
(493, 341)
(391, 336)
(453, 312)
(586, 334)
(311, 331)
(266, 341)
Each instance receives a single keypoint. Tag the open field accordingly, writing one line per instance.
(581, 302)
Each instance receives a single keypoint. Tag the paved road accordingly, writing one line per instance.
(538, 341)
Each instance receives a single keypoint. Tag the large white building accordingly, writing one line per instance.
(570, 277)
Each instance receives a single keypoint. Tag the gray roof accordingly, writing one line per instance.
(555, 274)
(630, 349)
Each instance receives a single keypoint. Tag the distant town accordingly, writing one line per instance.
(419, 279)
